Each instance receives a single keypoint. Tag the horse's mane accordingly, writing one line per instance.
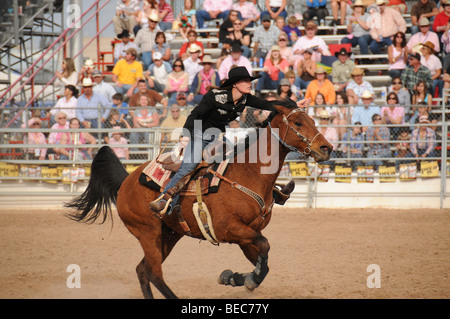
(286, 102)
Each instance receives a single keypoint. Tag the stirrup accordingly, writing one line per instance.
(155, 206)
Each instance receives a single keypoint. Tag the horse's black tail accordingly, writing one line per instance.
(107, 175)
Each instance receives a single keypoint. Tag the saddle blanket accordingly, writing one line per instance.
(156, 177)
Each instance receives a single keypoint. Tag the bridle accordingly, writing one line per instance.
(304, 139)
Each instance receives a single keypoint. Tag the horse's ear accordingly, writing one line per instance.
(281, 109)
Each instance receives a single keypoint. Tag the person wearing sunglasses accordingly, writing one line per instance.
(414, 73)
(379, 136)
(37, 138)
(392, 113)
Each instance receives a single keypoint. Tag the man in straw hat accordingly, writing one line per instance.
(192, 65)
(391, 22)
(424, 35)
(422, 9)
(414, 73)
(205, 123)
(145, 39)
(357, 86)
(89, 104)
(425, 134)
(363, 112)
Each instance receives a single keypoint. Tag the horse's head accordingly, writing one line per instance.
(297, 131)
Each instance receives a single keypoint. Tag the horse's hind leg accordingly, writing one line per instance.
(257, 252)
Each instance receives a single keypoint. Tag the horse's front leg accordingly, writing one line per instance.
(257, 252)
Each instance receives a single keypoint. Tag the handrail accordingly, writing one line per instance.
(32, 66)
(54, 77)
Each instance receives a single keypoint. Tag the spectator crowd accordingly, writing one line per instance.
(153, 87)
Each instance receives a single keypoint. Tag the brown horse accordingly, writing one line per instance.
(236, 217)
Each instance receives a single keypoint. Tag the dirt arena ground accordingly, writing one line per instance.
(314, 254)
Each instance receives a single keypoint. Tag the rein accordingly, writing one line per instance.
(304, 139)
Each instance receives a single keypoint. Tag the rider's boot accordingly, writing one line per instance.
(281, 193)
(161, 204)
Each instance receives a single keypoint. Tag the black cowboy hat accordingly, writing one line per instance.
(237, 74)
(342, 51)
(124, 34)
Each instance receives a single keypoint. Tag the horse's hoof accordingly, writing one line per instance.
(249, 283)
(225, 276)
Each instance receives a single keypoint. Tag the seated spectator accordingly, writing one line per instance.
(145, 40)
(275, 8)
(421, 94)
(398, 55)
(422, 109)
(227, 26)
(152, 95)
(127, 73)
(36, 138)
(264, 37)
(76, 138)
(306, 69)
(393, 114)
(177, 81)
(319, 105)
(432, 63)
(67, 103)
(143, 117)
(290, 75)
(365, 112)
(114, 121)
(422, 9)
(423, 36)
(240, 36)
(356, 145)
(126, 13)
(342, 69)
(175, 122)
(165, 15)
(403, 147)
(68, 76)
(117, 139)
(248, 11)
(391, 22)
(54, 138)
(341, 113)
(205, 78)
(235, 58)
(357, 86)
(357, 28)
(379, 135)
(316, 8)
(280, 23)
(441, 21)
(338, 7)
(162, 47)
(323, 85)
(273, 71)
(101, 87)
(91, 106)
(86, 71)
(292, 31)
(192, 65)
(426, 134)
(120, 49)
(285, 50)
(330, 134)
(284, 90)
(182, 103)
(404, 98)
(213, 9)
(312, 41)
(120, 106)
(414, 73)
(192, 39)
(158, 73)
(187, 19)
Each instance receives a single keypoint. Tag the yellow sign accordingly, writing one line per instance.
(50, 172)
(429, 169)
(385, 171)
(9, 170)
(299, 169)
(343, 171)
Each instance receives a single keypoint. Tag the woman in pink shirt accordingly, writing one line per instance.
(393, 114)
(37, 138)
(273, 71)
